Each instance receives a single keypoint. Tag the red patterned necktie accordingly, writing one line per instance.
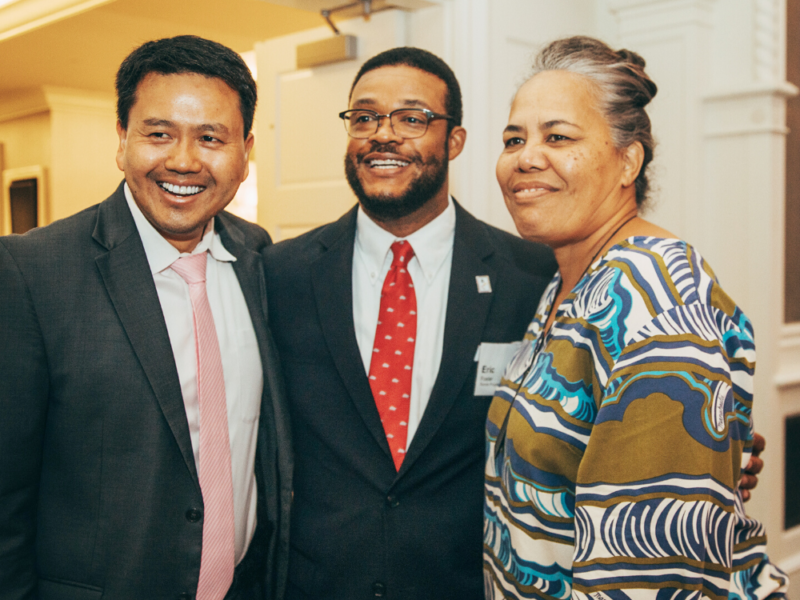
(217, 554)
(393, 351)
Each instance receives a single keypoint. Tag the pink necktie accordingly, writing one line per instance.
(393, 351)
(217, 556)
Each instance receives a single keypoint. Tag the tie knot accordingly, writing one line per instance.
(191, 268)
(403, 253)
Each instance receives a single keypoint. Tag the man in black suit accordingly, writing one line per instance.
(390, 506)
(144, 443)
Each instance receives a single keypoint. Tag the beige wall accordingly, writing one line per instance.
(84, 143)
(25, 142)
(72, 135)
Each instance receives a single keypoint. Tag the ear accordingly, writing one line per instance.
(123, 140)
(456, 141)
(632, 159)
(248, 147)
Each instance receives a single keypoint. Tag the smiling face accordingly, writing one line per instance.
(560, 174)
(395, 178)
(184, 153)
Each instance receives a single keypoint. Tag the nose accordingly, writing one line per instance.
(532, 157)
(183, 157)
(385, 133)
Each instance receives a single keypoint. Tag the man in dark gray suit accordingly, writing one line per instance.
(144, 448)
(388, 486)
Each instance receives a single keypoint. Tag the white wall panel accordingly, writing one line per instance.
(493, 43)
(300, 139)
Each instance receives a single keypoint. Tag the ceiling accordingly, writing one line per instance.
(85, 50)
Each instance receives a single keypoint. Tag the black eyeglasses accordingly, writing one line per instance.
(407, 123)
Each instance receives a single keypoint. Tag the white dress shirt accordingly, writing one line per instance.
(241, 359)
(430, 272)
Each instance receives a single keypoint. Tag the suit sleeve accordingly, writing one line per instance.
(23, 406)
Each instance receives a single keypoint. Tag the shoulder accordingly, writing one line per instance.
(290, 256)
(531, 257)
(98, 227)
(528, 257)
(668, 272)
(301, 247)
(51, 241)
(659, 285)
(255, 237)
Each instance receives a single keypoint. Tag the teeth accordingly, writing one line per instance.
(181, 190)
(389, 163)
(531, 191)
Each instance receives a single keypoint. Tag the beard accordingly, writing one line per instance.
(421, 190)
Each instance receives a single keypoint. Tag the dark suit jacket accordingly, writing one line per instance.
(359, 528)
(97, 475)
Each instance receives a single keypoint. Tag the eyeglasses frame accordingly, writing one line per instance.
(432, 116)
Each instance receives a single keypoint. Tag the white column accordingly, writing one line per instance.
(490, 47)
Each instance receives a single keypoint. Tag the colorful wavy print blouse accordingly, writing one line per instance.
(615, 445)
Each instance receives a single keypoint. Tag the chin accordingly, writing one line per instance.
(529, 231)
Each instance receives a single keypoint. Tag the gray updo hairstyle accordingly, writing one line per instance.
(624, 89)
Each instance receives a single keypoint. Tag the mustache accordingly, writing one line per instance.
(390, 148)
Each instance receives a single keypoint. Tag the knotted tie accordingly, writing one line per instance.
(217, 556)
(393, 351)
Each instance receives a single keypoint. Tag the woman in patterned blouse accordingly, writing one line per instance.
(616, 440)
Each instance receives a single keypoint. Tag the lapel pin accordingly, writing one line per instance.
(484, 284)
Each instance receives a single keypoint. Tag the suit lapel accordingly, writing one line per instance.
(249, 270)
(467, 311)
(332, 277)
(129, 283)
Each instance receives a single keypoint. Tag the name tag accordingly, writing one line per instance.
(492, 360)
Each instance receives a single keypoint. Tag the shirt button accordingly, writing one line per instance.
(379, 589)
(185, 596)
(193, 515)
(392, 501)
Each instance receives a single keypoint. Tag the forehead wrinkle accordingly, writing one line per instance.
(410, 102)
(365, 102)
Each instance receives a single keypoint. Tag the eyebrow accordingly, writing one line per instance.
(158, 123)
(543, 127)
(409, 102)
(555, 122)
(212, 127)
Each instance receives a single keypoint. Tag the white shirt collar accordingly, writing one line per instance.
(160, 253)
(432, 243)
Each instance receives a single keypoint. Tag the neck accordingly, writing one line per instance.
(575, 259)
(405, 226)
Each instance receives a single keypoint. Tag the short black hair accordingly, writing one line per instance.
(186, 54)
(424, 61)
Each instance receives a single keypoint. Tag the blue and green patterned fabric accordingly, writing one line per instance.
(615, 444)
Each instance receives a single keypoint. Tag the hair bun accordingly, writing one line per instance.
(643, 88)
(629, 56)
